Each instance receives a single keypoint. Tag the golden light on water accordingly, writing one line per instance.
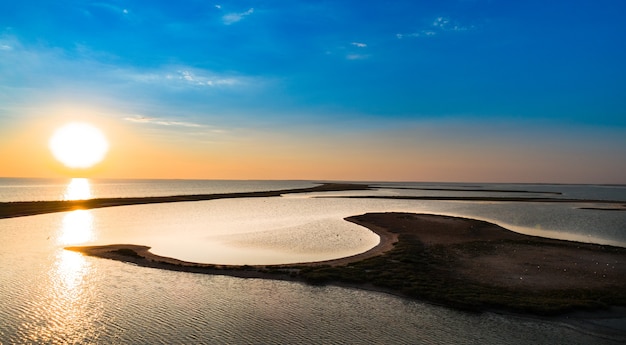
(69, 315)
(70, 267)
(76, 227)
(65, 311)
(78, 189)
(78, 145)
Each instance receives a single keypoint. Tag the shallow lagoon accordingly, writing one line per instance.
(300, 229)
(50, 295)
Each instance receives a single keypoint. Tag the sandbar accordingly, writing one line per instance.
(601, 205)
(462, 263)
(31, 208)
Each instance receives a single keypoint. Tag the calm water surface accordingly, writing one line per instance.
(48, 295)
(25, 189)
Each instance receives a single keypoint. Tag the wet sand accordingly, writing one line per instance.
(457, 262)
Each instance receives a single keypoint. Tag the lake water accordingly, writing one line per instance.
(49, 295)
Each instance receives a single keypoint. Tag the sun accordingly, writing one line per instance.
(78, 145)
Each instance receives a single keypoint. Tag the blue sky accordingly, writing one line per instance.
(530, 76)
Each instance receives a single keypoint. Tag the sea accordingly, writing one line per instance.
(52, 296)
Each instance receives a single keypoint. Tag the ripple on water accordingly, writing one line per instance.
(48, 297)
(153, 306)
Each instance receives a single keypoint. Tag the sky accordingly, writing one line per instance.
(450, 90)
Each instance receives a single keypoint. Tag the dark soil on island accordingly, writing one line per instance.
(458, 262)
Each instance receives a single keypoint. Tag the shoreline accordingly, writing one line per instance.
(30, 208)
(460, 263)
(14, 209)
(614, 205)
(141, 256)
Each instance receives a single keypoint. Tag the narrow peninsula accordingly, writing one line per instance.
(458, 262)
(30, 208)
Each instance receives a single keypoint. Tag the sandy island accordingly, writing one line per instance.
(458, 262)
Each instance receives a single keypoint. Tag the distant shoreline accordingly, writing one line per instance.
(31, 208)
(458, 262)
(614, 205)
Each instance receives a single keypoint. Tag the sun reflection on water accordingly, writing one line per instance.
(78, 189)
(76, 227)
(66, 311)
(68, 274)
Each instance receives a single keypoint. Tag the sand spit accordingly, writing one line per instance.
(30, 208)
(462, 263)
(603, 205)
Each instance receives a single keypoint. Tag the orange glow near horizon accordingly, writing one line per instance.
(138, 150)
(25, 145)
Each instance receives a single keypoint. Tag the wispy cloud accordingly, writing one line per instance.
(40, 69)
(438, 26)
(232, 18)
(203, 80)
(441, 22)
(193, 132)
(184, 77)
(355, 51)
(423, 33)
(445, 24)
(357, 56)
(161, 122)
(109, 7)
(8, 42)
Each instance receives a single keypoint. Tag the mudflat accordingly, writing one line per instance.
(459, 262)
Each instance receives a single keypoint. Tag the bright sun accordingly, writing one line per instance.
(78, 145)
